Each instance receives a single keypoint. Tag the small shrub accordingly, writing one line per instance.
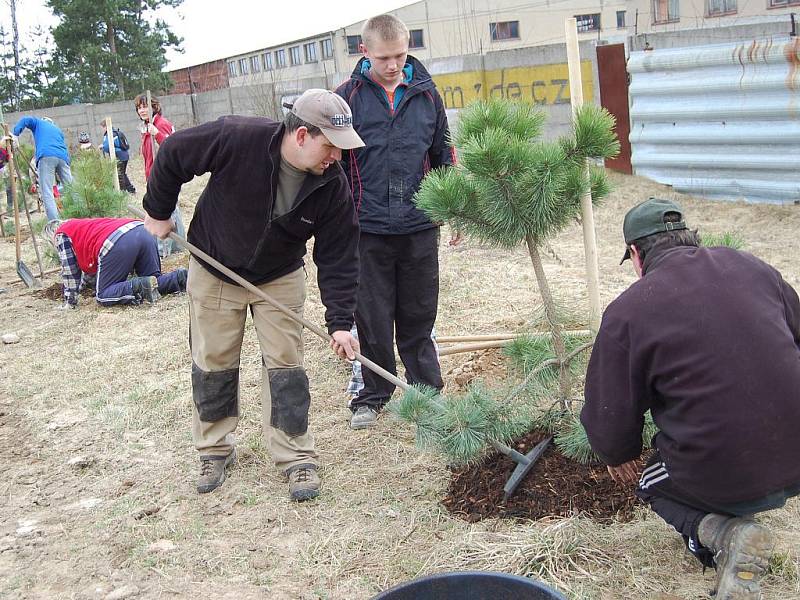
(92, 192)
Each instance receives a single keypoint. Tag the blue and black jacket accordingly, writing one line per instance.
(403, 142)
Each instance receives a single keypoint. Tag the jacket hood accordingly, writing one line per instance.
(419, 75)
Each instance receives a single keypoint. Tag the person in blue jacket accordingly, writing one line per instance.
(121, 152)
(401, 118)
(51, 158)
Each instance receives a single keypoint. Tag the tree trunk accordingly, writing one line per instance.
(552, 320)
(112, 46)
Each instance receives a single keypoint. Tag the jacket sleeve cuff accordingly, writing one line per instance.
(158, 215)
(339, 326)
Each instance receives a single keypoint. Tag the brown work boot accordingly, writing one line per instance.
(146, 288)
(212, 471)
(742, 549)
(303, 482)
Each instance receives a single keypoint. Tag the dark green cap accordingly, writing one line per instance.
(647, 218)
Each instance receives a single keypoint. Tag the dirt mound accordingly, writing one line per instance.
(56, 292)
(487, 365)
(556, 487)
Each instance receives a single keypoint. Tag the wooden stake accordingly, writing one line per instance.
(587, 214)
(112, 151)
(489, 344)
(473, 347)
(11, 176)
(150, 121)
(444, 339)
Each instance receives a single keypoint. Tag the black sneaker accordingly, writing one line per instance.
(212, 471)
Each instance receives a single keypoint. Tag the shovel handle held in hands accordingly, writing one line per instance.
(197, 253)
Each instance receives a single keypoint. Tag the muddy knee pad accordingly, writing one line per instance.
(215, 393)
(290, 400)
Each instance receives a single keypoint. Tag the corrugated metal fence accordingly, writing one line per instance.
(720, 121)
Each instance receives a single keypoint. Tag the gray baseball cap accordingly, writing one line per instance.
(647, 218)
(329, 112)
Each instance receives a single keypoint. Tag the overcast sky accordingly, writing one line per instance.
(212, 29)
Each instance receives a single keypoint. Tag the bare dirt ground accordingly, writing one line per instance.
(97, 493)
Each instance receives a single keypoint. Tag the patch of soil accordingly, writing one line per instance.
(556, 487)
(488, 365)
(56, 292)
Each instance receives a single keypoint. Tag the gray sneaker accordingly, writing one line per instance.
(146, 288)
(212, 471)
(303, 482)
(742, 549)
(363, 417)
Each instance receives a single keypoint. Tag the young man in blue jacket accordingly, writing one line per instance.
(400, 116)
(51, 158)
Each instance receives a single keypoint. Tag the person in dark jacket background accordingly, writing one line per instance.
(121, 153)
(708, 340)
(272, 187)
(401, 117)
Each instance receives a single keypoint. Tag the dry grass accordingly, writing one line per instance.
(112, 387)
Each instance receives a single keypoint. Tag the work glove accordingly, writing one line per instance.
(152, 129)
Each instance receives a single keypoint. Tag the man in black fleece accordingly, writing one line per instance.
(272, 187)
(708, 339)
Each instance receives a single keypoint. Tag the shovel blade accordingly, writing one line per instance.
(27, 277)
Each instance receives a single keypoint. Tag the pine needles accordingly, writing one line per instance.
(509, 184)
(92, 192)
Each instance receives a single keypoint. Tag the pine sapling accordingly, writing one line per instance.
(511, 187)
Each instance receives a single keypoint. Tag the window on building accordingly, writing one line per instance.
(588, 22)
(666, 11)
(620, 19)
(232, 69)
(327, 48)
(354, 44)
(243, 66)
(311, 52)
(416, 39)
(294, 55)
(504, 30)
(782, 3)
(280, 58)
(255, 64)
(268, 64)
(716, 8)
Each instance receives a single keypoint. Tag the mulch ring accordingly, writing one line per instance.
(556, 487)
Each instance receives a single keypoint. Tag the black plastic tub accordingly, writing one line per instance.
(471, 585)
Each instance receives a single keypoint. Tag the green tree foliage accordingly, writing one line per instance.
(513, 187)
(92, 192)
(110, 49)
(510, 185)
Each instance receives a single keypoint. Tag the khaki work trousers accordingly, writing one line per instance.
(218, 311)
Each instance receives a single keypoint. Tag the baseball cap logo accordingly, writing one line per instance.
(340, 120)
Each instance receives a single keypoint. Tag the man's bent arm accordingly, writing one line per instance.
(183, 156)
(616, 400)
(336, 257)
